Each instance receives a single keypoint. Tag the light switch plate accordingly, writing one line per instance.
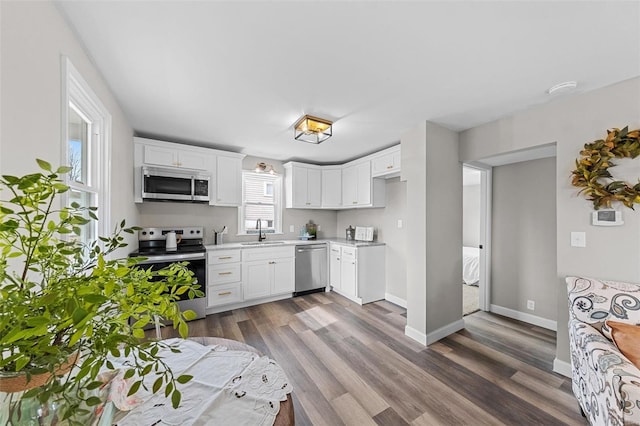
(578, 239)
(292, 228)
(399, 223)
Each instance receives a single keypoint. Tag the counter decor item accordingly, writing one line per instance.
(312, 230)
(67, 307)
(591, 170)
(350, 233)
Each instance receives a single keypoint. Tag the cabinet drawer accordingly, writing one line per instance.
(224, 294)
(349, 253)
(267, 253)
(221, 274)
(217, 257)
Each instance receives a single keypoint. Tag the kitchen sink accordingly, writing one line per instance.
(261, 243)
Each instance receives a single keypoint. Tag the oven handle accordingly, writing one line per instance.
(171, 258)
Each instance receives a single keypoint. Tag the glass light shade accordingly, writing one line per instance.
(312, 129)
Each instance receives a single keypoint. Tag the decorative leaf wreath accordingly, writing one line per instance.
(592, 169)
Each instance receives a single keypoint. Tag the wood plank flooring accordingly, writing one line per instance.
(353, 365)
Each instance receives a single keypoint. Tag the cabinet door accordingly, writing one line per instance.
(257, 278)
(334, 267)
(193, 160)
(283, 276)
(314, 185)
(228, 181)
(331, 187)
(299, 186)
(348, 272)
(364, 183)
(160, 156)
(349, 186)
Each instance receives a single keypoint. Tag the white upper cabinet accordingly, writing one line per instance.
(386, 163)
(358, 187)
(331, 187)
(180, 156)
(228, 181)
(303, 186)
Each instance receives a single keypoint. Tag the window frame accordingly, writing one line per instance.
(277, 203)
(77, 94)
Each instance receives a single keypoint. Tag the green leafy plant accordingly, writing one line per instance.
(65, 302)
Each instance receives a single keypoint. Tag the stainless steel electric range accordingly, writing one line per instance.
(189, 248)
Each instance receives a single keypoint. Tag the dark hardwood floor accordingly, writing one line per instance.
(353, 365)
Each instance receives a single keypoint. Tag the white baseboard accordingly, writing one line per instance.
(395, 300)
(416, 335)
(443, 332)
(524, 317)
(562, 367)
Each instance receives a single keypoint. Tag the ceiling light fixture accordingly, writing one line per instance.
(265, 168)
(312, 129)
(563, 87)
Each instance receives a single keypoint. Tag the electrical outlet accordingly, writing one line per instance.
(319, 228)
(399, 223)
(292, 228)
(531, 305)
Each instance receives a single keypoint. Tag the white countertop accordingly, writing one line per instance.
(243, 245)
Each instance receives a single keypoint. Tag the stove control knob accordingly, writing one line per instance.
(198, 231)
(192, 231)
(144, 232)
(150, 232)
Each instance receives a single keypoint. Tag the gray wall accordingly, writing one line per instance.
(385, 221)
(611, 252)
(471, 215)
(434, 215)
(33, 38)
(523, 255)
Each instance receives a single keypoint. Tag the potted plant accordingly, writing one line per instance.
(66, 307)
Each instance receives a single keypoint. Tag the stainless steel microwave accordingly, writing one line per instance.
(165, 184)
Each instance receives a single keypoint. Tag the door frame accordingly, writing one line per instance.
(485, 233)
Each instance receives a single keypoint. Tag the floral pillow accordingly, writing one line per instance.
(594, 301)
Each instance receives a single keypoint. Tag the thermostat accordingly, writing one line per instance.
(607, 217)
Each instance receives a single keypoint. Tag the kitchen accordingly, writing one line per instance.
(227, 278)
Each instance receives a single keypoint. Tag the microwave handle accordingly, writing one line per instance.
(193, 188)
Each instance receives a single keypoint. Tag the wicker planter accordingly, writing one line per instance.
(17, 382)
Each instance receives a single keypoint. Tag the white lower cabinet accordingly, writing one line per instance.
(358, 273)
(268, 272)
(224, 279)
(335, 274)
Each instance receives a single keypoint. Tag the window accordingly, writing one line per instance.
(261, 203)
(86, 151)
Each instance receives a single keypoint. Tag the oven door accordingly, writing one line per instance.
(196, 264)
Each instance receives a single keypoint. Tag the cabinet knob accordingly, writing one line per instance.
(355, 202)
(224, 257)
(224, 293)
(224, 273)
(389, 167)
(272, 263)
(308, 203)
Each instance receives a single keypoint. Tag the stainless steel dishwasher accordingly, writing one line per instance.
(311, 268)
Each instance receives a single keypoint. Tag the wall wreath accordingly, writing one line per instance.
(591, 173)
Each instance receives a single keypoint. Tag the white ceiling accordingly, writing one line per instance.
(236, 75)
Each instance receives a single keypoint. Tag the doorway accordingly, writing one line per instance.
(476, 234)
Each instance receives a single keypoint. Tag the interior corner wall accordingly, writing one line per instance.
(33, 39)
(611, 252)
(471, 215)
(434, 215)
(523, 241)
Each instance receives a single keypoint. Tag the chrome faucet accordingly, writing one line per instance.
(261, 236)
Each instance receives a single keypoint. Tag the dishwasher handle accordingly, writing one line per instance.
(317, 247)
